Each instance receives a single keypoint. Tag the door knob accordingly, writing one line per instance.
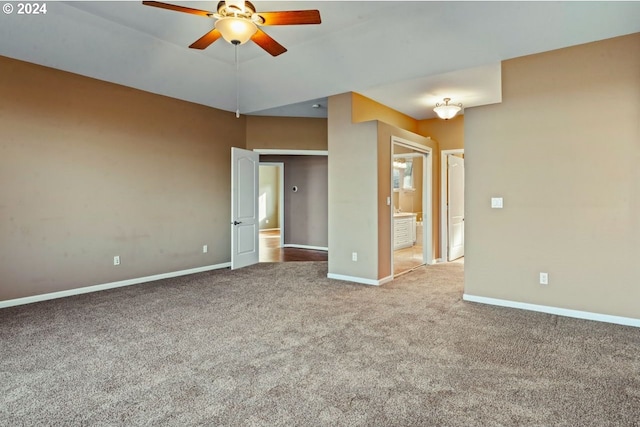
(236, 222)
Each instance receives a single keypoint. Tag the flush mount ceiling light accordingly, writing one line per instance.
(447, 111)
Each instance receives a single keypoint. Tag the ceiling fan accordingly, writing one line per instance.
(238, 22)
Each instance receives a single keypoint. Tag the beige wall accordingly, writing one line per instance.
(291, 133)
(563, 150)
(89, 170)
(353, 193)
(448, 133)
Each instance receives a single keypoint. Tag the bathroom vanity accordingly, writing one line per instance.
(404, 230)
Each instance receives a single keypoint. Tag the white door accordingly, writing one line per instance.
(456, 207)
(244, 207)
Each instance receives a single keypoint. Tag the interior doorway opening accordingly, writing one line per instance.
(271, 210)
(299, 231)
(410, 206)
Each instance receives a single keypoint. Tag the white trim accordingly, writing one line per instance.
(315, 248)
(415, 145)
(105, 286)
(361, 280)
(385, 280)
(627, 321)
(444, 232)
(281, 152)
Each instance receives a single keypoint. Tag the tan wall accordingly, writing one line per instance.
(366, 109)
(448, 133)
(384, 134)
(353, 192)
(291, 133)
(89, 170)
(567, 167)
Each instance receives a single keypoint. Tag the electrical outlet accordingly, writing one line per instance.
(544, 278)
(354, 256)
(116, 260)
(205, 249)
(267, 221)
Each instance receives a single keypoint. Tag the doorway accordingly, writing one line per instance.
(271, 210)
(309, 223)
(301, 231)
(410, 206)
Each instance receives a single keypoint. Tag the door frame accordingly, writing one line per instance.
(427, 203)
(444, 180)
(280, 166)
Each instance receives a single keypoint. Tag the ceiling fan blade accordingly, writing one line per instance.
(292, 17)
(265, 41)
(206, 40)
(178, 8)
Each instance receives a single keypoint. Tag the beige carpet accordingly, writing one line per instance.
(279, 344)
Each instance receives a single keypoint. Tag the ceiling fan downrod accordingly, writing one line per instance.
(236, 43)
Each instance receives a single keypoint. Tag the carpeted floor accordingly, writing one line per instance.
(279, 344)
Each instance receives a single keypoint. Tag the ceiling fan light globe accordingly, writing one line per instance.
(236, 30)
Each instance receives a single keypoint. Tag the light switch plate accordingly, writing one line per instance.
(496, 202)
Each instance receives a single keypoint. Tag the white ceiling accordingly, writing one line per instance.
(407, 55)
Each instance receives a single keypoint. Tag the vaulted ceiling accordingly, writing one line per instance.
(407, 55)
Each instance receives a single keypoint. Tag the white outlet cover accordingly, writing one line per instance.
(496, 202)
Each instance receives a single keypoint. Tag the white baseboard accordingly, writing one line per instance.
(105, 286)
(385, 280)
(315, 248)
(361, 280)
(627, 321)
